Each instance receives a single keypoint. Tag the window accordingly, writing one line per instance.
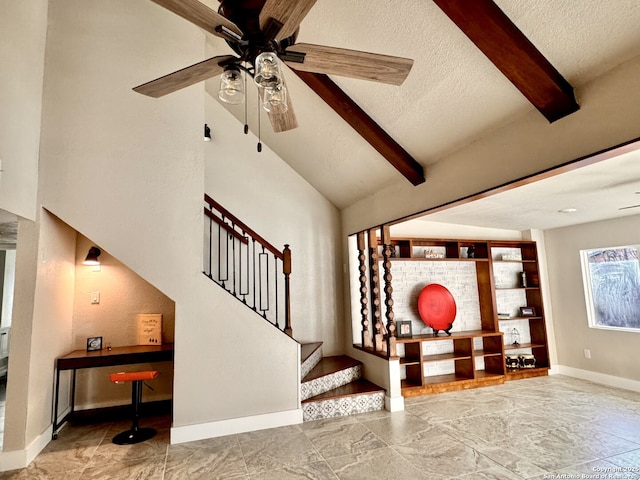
(612, 287)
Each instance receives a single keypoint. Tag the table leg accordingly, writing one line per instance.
(54, 436)
(73, 393)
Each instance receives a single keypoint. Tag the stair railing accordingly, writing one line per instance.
(247, 266)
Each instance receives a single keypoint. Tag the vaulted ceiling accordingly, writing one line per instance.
(477, 66)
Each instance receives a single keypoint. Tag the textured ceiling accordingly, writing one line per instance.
(604, 190)
(453, 95)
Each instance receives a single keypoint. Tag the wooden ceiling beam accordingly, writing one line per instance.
(362, 123)
(512, 52)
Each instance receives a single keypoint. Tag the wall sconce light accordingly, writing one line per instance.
(92, 256)
(207, 133)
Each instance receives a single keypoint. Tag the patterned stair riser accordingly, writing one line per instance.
(310, 362)
(340, 407)
(329, 382)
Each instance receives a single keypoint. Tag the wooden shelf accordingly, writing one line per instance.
(527, 373)
(485, 374)
(524, 345)
(446, 378)
(535, 317)
(516, 288)
(467, 345)
(444, 356)
(409, 361)
(482, 353)
(445, 259)
(514, 261)
(429, 337)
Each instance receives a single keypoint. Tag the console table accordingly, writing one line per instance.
(103, 358)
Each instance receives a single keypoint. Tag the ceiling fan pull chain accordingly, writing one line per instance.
(259, 142)
(246, 125)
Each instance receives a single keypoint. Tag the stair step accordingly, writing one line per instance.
(330, 373)
(360, 396)
(329, 365)
(358, 387)
(307, 349)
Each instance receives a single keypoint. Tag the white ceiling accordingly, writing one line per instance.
(453, 95)
(599, 191)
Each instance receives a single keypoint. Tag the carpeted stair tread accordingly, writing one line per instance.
(307, 349)
(358, 387)
(329, 365)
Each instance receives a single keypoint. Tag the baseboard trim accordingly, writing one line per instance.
(202, 431)
(394, 404)
(15, 459)
(602, 378)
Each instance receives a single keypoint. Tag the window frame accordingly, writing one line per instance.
(588, 289)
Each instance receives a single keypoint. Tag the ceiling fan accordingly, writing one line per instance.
(262, 33)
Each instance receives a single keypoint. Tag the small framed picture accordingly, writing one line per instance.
(403, 328)
(527, 311)
(94, 344)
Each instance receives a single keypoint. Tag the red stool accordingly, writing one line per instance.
(136, 434)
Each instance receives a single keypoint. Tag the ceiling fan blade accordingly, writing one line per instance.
(289, 13)
(199, 14)
(350, 63)
(285, 121)
(184, 78)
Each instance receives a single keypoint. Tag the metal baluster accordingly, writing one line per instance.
(264, 296)
(275, 278)
(210, 275)
(254, 273)
(233, 258)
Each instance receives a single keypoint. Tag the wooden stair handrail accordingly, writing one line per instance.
(226, 226)
(243, 226)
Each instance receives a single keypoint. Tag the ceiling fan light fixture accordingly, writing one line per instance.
(268, 71)
(231, 86)
(275, 100)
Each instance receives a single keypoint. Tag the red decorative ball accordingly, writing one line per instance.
(437, 307)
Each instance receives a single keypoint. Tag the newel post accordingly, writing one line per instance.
(286, 270)
(388, 290)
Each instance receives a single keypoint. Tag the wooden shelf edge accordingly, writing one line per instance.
(527, 373)
(454, 335)
(534, 317)
(524, 345)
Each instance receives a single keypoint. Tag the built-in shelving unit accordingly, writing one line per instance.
(508, 280)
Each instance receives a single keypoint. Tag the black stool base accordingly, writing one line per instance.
(131, 437)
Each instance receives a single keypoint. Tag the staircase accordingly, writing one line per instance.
(334, 387)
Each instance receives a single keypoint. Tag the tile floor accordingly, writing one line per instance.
(541, 428)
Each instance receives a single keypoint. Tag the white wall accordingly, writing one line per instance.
(264, 192)
(612, 352)
(123, 294)
(23, 27)
(42, 326)
(127, 171)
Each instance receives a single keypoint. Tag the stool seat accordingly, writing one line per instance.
(135, 434)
